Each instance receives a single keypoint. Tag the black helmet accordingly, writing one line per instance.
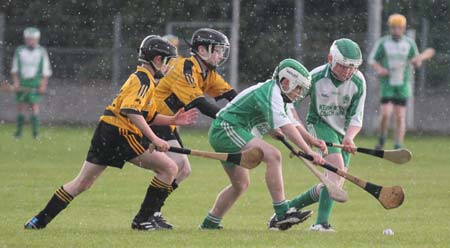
(210, 38)
(154, 45)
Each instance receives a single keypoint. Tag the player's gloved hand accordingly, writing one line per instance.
(183, 117)
(349, 146)
(317, 159)
(160, 144)
(321, 145)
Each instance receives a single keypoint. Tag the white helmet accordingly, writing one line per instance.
(345, 52)
(295, 72)
(31, 32)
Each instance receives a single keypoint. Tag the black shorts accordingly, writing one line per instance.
(400, 102)
(113, 146)
(166, 133)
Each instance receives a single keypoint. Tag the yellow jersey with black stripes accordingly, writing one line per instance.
(135, 97)
(185, 83)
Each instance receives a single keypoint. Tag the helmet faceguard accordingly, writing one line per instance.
(347, 53)
(216, 44)
(295, 72)
(152, 46)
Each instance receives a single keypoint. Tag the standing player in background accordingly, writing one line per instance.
(186, 85)
(391, 58)
(172, 39)
(119, 137)
(261, 106)
(336, 110)
(30, 70)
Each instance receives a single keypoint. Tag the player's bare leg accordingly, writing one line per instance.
(182, 161)
(87, 176)
(149, 216)
(239, 183)
(325, 202)
(64, 195)
(240, 180)
(400, 125)
(385, 115)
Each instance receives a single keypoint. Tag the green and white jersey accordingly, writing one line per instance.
(339, 104)
(394, 55)
(260, 106)
(31, 64)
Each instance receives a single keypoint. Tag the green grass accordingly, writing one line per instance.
(31, 170)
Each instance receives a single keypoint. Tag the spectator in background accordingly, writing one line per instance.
(391, 58)
(30, 73)
(172, 39)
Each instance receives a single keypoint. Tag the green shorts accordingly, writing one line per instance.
(224, 137)
(28, 97)
(401, 92)
(323, 131)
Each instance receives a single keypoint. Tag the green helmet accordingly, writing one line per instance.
(295, 72)
(31, 32)
(345, 52)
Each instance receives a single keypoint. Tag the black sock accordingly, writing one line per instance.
(57, 203)
(156, 195)
(174, 185)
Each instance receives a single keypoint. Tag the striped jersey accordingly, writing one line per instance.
(394, 55)
(260, 106)
(31, 64)
(339, 104)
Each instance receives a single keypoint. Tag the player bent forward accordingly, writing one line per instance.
(338, 92)
(121, 136)
(261, 104)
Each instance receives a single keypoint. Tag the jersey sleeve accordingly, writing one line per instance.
(186, 88)
(290, 112)
(413, 51)
(377, 53)
(355, 113)
(217, 86)
(135, 94)
(46, 68)
(15, 62)
(273, 108)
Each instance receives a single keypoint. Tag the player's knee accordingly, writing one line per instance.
(171, 169)
(272, 156)
(241, 186)
(184, 169)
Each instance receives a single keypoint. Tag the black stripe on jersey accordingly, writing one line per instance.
(174, 103)
(187, 71)
(145, 83)
(125, 111)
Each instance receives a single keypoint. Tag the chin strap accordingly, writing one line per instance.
(158, 73)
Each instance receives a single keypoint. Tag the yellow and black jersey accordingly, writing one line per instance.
(136, 97)
(185, 83)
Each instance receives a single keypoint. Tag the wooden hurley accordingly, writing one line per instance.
(248, 159)
(398, 156)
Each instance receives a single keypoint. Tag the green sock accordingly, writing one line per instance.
(35, 125)
(20, 122)
(325, 205)
(211, 222)
(306, 198)
(281, 207)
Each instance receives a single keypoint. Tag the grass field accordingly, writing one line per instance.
(31, 170)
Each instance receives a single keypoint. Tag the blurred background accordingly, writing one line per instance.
(92, 46)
